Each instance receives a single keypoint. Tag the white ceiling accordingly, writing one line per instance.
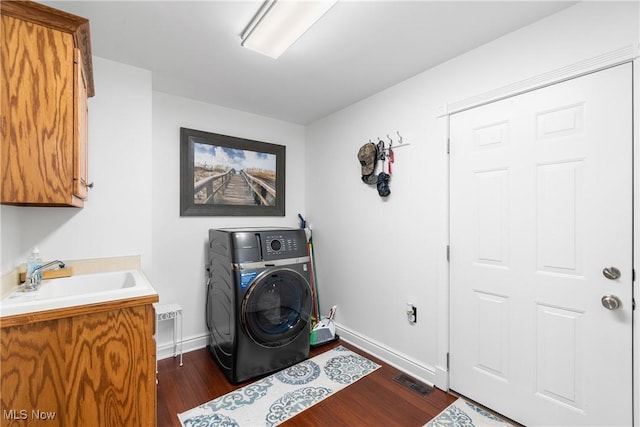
(357, 49)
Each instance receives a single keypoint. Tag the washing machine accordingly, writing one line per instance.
(259, 300)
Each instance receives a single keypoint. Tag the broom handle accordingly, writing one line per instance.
(314, 279)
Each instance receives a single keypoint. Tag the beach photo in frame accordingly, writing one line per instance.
(222, 175)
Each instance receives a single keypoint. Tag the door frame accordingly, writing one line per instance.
(626, 54)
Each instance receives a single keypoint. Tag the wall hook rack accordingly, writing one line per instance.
(385, 150)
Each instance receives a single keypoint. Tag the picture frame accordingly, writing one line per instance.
(222, 175)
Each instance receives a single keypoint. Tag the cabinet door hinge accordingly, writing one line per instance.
(448, 358)
(448, 253)
(448, 145)
(633, 274)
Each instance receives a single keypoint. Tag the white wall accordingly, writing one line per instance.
(116, 219)
(376, 255)
(179, 243)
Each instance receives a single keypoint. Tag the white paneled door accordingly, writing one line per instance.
(541, 253)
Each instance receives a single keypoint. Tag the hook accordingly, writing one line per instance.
(399, 136)
(381, 150)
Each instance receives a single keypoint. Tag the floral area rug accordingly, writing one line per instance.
(465, 414)
(278, 397)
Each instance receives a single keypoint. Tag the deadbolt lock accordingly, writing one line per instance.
(611, 273)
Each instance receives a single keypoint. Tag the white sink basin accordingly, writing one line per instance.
(77, 290)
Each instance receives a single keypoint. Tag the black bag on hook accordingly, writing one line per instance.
(383, 184)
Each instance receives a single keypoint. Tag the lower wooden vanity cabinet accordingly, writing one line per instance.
(92, 368)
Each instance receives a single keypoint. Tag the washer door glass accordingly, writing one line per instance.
(277, 307)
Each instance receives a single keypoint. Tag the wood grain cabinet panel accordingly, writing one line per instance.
(93, 369)
(32, 362)
(46, 80)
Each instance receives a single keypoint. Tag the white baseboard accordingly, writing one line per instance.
(406, 364)
(398, 360)
(165, 350)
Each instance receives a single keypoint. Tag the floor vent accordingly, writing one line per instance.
(413, 384)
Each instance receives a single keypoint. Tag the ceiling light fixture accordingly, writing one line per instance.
(279, 23)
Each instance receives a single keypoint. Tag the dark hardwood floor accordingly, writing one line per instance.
(375, 400)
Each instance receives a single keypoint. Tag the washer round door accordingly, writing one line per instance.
(277, 307)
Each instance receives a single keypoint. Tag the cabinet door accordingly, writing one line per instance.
(111, 368)
(36, 113)
(81, 137)
(33, 375)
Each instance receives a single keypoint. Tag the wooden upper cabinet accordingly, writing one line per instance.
(46, 79)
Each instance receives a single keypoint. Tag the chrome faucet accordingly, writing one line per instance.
(34, 282)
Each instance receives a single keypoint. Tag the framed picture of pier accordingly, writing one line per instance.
(229, 176)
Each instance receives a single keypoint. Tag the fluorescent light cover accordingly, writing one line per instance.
(278, 24)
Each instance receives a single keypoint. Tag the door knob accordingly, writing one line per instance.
(611, 273)
(611, 302)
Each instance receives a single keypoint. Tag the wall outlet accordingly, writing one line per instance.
(412, 313)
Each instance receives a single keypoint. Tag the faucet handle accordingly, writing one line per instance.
(35, 279)
(34, 282)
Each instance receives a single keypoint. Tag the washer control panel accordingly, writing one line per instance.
(279, 244)
(251, 245)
